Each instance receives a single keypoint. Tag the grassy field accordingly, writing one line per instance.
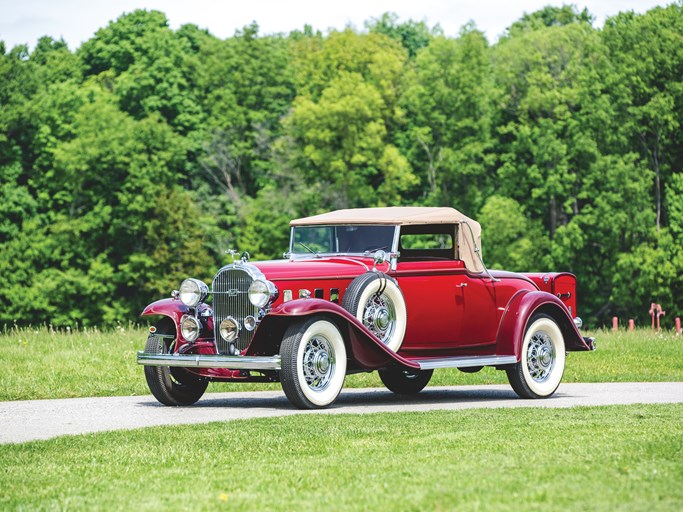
(41, 363)
(600, 458)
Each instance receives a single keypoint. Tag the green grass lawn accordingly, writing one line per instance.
(39, 363)
(598, 458)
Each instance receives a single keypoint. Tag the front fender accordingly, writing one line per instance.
(172, 308)
(365, 350)
(523, 305)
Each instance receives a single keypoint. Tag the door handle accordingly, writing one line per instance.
(461, 285)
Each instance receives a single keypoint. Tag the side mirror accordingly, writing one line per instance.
(380, 257)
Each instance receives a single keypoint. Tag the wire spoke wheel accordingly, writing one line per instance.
(318, 363)
(540, 356)
(379, 316)
(313, 363)
(539, 370)
(377, 302)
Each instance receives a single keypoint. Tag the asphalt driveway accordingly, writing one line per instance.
(45, 419)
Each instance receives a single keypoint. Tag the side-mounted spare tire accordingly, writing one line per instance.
(377, 302)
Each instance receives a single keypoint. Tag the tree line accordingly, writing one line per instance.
(142, 156)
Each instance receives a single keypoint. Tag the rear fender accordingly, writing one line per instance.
(364, 350)
(523, 305)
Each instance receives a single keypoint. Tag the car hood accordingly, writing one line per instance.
(338, 267)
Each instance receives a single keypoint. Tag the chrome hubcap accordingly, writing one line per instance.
(382, 319)
(540, 356)
(379, 317)
(321, 362)
(318, 363)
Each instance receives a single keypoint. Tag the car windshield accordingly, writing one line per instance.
(341, 239)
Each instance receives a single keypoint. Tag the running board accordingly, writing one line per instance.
(464, 362)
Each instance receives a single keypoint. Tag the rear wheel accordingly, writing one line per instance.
(313, 363)
(170, 386)
(405, 382)
(540, 369)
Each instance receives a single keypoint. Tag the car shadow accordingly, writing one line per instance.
(375, 398)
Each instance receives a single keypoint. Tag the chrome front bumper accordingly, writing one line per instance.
(211, 361)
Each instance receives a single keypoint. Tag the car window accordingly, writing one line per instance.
(428, 242)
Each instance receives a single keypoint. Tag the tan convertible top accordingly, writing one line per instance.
(469, 235)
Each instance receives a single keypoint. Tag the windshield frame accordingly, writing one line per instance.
(302, 253)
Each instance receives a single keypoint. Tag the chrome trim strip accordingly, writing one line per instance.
(211, 361)
(464, 362)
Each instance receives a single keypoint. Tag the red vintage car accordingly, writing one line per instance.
(400, 290)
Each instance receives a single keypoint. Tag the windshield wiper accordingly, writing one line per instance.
(314, 253)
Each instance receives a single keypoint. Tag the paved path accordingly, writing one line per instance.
(44, 419)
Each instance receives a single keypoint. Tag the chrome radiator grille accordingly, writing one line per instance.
(230, 286)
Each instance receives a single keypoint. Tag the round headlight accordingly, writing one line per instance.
(249, 323)
(229, 329)
(190, 328)
(262, 293)
(192, 292)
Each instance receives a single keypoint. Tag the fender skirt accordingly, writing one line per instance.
(523, 305)
(365, 351)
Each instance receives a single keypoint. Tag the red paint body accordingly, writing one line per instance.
(450, 311)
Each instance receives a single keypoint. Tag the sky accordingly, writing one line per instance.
(24, 21)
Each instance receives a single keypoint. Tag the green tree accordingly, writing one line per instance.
(647, 51)
(549, 16)
(142, 156)
(247, 87)
(614, 219)
(150, 68)
(511, 240)
(345, 117)
(449, 106)
(413, 35)
(123, 42)
(545, 79)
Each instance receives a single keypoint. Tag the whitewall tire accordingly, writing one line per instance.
(313, 363)
(541, 366)
(377, 302)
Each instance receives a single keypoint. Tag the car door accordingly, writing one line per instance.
(475, 307)
(447, 307)
(432, 296)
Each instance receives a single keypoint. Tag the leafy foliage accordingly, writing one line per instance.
(142, 156)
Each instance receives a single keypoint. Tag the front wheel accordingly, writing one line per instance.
(405, 382)
(540, 369)
(313, 363)
(171, 386)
